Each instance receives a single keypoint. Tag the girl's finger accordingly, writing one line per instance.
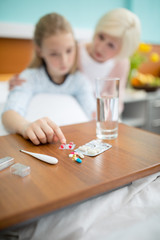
(55, 138)
(40, 134)
(57, 131)
(48, 131)
(32, 136)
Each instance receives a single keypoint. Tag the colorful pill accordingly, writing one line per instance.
(80, 155)
(78, 160)
(70, 155)
(74, 156)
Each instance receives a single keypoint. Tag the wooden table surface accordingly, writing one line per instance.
(134, 154)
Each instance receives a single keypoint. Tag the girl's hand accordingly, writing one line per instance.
(43, 131)
(15, 81)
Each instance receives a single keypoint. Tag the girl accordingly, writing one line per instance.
(53, 70)
(116, 37)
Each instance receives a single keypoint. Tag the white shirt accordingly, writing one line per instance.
(76, 85)
(111, 68)
(91, 68)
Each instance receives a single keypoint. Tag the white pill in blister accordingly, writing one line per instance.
(91, 151)
(83, 148)
(97, 150)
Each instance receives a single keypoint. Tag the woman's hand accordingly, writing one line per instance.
(94, 114)
(42, 131)
(15, 81)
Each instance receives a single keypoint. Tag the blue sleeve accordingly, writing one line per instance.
(85, 96)
(20, 97)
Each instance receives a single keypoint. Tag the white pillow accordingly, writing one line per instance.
(62, 109)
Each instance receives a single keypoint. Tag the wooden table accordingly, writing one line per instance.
(134, 154)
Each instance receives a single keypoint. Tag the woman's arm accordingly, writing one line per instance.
(41, 131)
(121, 70)
(84, 95)
(15, 81)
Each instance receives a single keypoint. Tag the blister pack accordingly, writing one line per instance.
(93, 148)
(6, 162)
(69, 146)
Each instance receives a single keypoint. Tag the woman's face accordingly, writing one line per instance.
(58, 52)
(105, 47)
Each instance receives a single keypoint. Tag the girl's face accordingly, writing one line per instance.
(58, 52)
(105, 47)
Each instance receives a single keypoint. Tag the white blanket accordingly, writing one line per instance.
(130, 213)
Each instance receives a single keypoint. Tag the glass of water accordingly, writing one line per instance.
(107, 97)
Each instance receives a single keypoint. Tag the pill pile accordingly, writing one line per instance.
(76, 156)
(92, 148)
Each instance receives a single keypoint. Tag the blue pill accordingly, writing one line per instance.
(78, 160)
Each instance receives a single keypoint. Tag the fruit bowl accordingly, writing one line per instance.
(146, 82)
(146, 88)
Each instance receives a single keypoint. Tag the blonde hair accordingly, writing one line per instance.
(124, 24)
(48, 25)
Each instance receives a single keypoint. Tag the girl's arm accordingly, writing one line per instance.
(40, 131)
